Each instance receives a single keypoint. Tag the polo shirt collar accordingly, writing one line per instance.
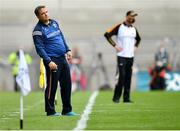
(127, 25)
(50, 21)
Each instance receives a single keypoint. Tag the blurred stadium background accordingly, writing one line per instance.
(84, 23)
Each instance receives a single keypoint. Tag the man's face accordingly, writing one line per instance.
(130, 19)
(43, 15)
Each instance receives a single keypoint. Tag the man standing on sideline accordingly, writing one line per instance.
(52, 48)
(128, 40)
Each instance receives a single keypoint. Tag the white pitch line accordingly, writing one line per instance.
(82, 123)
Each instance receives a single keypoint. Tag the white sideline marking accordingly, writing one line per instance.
(82, 123)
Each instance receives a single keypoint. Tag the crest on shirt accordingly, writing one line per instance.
(54, 24)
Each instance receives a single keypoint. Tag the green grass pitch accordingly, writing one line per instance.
(150, 110)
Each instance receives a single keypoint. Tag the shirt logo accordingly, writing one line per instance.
(53, 34)
(121, 64)
(55, 26)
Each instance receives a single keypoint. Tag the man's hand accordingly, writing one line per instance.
(118, 49)
(69, 55)
(52, 66)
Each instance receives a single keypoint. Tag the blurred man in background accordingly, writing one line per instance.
(128, 40)
(77, 73)
(52, 48)
(98, 65)
(160, 67)
(13, 60)
(162, 57)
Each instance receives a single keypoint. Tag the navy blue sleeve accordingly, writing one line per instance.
(64, 41)
(40, 49)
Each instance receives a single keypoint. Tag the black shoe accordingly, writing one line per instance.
(128, 101)
(53, 114)
(115, 101)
